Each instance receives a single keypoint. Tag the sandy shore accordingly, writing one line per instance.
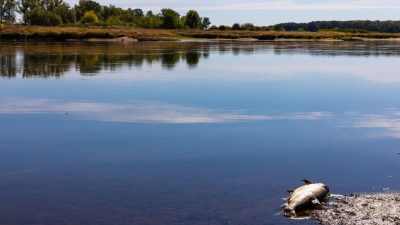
(363, 209)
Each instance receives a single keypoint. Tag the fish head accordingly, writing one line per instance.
(326, 187)
(323, 186)
(288, 212)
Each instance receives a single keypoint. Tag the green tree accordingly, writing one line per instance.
(236, 26)
(205, 23)
(223, 27)
(45, 12)
(149, 13)
(346, 26)
(50, 5)
(134, 17)
(170, 19)
(152, 21)
(7, 10)
(40, 16)
(113, 20)
(138, 12)
(87, 5)
(25, 6)
(192, 19)
(66, 13)
(60, 8)
(248, 26)
(89, 17)
(110, 11)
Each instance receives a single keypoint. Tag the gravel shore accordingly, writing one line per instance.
(363, 209)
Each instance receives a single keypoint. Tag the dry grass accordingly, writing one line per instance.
(272, 35)
(39, 33)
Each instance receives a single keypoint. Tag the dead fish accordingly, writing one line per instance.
(305, 197)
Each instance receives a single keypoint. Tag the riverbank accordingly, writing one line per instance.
(364, 209)
(40, 33)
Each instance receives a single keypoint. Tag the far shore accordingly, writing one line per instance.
(131, 34)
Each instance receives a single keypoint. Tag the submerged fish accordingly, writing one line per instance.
(305, 197)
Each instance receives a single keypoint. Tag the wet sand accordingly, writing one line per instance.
(363, 209)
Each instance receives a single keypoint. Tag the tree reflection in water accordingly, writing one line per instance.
(56, 59)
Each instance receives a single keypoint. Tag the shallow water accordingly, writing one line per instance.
(192, 132)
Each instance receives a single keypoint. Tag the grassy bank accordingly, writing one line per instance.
(273, 35)
(39, 33)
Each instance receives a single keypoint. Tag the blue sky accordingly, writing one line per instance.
(269, 12)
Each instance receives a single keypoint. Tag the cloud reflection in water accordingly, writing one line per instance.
(143, 112)
(386, 124)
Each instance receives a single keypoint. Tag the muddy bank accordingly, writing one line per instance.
(363, 209)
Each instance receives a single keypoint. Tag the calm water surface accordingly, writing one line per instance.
(191, 133)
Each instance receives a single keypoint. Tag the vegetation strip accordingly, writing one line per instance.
(44, 33)
(55, 20)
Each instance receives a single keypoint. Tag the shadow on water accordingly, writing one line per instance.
(56, 59)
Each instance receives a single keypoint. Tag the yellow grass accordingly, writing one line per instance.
(272, 35)
(64, 33)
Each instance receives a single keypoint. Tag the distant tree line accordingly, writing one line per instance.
(356, 26)
(238, 26)
(345, 26)
(58, 12)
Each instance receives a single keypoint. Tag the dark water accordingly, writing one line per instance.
(191, 133)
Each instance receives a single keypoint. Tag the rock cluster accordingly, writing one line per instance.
(363, 209)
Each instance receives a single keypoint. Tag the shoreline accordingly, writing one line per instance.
(361, 209)
(20, 33)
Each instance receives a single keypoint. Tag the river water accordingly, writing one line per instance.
(192, 132)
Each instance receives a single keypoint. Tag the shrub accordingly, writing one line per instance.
(236, 26)
(113, 20)
(90, 17)
(247, 26)
(222, 27)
